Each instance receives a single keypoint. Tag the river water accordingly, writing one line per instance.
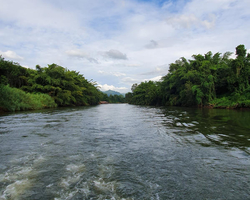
(123, 152)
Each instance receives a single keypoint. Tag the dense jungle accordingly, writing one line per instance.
(210, 80)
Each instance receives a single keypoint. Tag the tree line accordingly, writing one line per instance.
(213, 80)
(113, 98)
(24, 89)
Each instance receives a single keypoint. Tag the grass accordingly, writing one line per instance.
(13, 99)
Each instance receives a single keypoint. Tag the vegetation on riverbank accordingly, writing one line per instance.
(113, 98)
(13, 99)
(206, 80)
(25, 89)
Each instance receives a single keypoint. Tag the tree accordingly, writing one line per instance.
(134, 86)
(201, 81)
(64, 86)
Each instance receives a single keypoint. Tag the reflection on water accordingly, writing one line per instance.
(120, 151)
(228, 128)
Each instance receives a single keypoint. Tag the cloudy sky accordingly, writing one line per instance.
(119, 42)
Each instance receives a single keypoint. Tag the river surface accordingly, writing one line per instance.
(125, 152)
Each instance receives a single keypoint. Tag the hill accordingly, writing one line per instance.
(112, 92)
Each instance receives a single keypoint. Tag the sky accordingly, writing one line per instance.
(117, 43)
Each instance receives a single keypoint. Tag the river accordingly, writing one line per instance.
(125, 152)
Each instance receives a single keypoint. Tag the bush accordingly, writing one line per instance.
(13, 99)
(244, 104)
(224, 102)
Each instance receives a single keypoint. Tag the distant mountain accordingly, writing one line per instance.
(112, 92)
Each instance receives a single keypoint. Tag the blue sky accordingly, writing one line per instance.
(119, 42)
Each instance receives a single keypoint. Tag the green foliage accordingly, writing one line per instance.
(12, 99)
(116, 99)
(224, 102)
(145, 93)
(64, 86)
(128, 97)
(198, 82)
(113, 98)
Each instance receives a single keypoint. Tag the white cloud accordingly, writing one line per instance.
(205, 7)
(130, 80)
(119, 43)
(81, 54)
(191, 21)
(117, 74)
(11, 55)
(159, 70)
(36, 13)
(77, 53)
(106, 87)
(157, 78)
